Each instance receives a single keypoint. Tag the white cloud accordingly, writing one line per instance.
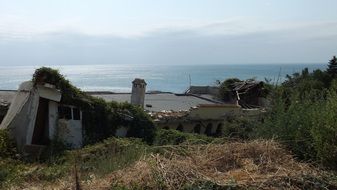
(13, 27)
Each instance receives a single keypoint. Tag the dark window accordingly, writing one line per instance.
(64, 112)
(219, 130)
(209, 129)
(76, 114)
(180, 127)
(197, 128)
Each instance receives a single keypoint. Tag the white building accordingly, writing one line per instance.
(35, 117)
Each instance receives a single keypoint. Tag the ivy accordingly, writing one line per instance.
(101, 119)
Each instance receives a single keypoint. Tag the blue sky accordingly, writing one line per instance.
(39, 32)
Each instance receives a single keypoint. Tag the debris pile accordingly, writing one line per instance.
(4, 103)
(165, 115)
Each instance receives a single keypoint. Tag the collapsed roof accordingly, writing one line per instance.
(245, 86)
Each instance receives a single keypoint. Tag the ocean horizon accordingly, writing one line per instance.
(166, 78)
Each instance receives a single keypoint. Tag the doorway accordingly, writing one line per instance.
(40, 134)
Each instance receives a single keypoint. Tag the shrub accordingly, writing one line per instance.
(239, 127)
(7, 146)
(303, 117)
(225, 89)
(324, 129)
(174, 137)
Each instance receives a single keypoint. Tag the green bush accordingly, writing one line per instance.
(291, 125)
(7, 146)
(174, 137)
(225, 89)
(10, 172)
(324, 129)
(303, 117)
(238, 127)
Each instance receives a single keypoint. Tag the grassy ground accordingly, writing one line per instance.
(191, 162)
(98, 159)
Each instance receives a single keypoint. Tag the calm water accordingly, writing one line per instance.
(117, 78)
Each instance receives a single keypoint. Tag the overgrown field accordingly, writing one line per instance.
(196, 162)
(298, 150)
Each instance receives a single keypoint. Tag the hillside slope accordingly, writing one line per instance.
(235, 165)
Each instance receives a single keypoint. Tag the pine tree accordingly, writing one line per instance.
(332, 67)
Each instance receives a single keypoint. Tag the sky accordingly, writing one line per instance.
(70, 32)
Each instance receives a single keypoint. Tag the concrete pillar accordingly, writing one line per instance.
(138, 92)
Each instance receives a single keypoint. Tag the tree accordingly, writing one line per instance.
(332, 67)
(226, 87)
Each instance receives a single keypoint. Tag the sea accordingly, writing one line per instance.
(166, 78)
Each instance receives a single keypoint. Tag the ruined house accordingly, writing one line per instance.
(250, 93)
(193, 112)
(36, 116)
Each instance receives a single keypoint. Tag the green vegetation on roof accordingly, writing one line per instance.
(101, 119)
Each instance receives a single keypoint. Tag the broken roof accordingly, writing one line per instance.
(26, 93)
(245, 85)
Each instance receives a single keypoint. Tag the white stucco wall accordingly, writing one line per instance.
(53, 117)
(33, 105)
(70, 131)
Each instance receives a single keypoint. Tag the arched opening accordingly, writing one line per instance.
(197, 128)
(208, 130)
(180, 127)
(219, 129)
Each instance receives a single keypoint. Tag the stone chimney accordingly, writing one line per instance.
(138, 92)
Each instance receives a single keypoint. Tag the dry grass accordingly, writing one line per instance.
(253, 165)
(257, 164)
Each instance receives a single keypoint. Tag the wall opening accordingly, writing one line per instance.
(208, 130)
(64, 112)
(197, 128)
(40, 134)
(180, 127)
(219, 129)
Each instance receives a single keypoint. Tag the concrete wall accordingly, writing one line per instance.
(190, 126)
(53, 118)
(70, 130)
(32, 106)
(215, 112)
(138, 94)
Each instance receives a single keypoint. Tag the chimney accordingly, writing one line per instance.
(138, 92)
